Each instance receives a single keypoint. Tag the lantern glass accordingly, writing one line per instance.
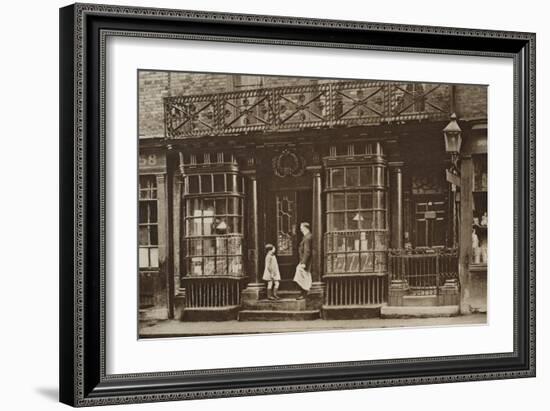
(453, 136)
(453, 141)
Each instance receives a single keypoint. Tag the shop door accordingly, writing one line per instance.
(286, 210)
(430, 220)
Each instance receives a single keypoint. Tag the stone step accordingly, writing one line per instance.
(288, 293)
(286, 315)
(420, 300)
(351, 312)
(419, 312)
(284, 304)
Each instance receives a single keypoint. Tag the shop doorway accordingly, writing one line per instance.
(286, 210)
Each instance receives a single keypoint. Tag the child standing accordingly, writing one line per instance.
(271, 272)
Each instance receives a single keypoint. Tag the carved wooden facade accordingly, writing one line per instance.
(362, 161)
(335, 104)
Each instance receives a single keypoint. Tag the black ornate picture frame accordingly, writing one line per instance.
(83, 32)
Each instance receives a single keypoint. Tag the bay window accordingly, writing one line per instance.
(214, 224)
(356, 237)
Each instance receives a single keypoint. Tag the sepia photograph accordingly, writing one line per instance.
(275, 204)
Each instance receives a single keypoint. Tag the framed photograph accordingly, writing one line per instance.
(261, 204)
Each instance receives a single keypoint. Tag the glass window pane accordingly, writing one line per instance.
(143, 257)
(192, 207)
(221, 246)
(340, 263)
(154, 257)
(208, 207)
(196, 266)
(195, 247)
(239, 209)
(209, 246)
(196, 226)
(329, 243)
(337, 177)
(193, 184)
(352, 176)
(366, 201)
(221, 226)
(230, 183)
(366, 176)
(206, 183)
(153, 218)
(355, 219)
(352, 263)
(143, 235)
(208, 221)
(221, 206)
(353, 242)
(367, 222)
(367, 263)
(153, 235)
(380, 241)
(236, 228)
(380, 262)
(231, 205)
(235, 266)
(381, 199)
(379, 176)
(381, 219)
(329, 266)
(143, 214)
(337, 201)
(219, 183)
(353, 201)
(209, 266)
(341, 242)
(336, 221)
(235, 246)
(365, 241)
(209, 226)
(221, 265)
(240, 184)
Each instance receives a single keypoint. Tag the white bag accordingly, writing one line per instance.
(302, 277)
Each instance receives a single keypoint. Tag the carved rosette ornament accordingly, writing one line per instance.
(288, 164)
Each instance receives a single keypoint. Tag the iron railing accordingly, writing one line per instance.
(212, 292)
(355, 289)
(425, 270)
(334, 104)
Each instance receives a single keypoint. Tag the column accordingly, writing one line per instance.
(317, 228)
(465, 231)
(162, 287)
(398, 287)
(255, 287)
(315, 296)
(179, 268)
(397, 205)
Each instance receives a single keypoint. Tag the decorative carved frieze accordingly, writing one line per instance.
(328, 105)
(288, 164)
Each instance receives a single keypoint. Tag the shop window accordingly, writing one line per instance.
(355, 241)
(480, 216)
(214, 225)
(148, 223)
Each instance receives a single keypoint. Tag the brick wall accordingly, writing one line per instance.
(471, 101)
(153, 86)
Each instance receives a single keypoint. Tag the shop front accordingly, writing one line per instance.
(383, 217)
